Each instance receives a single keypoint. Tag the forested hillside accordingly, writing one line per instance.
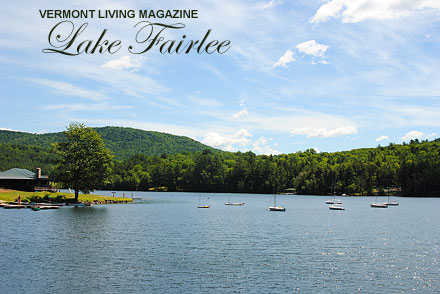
(123, 142)
(150, 160)
(25, 156)
(409, 169)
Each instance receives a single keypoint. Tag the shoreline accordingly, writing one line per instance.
(7, 195)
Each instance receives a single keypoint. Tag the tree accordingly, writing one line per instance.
(83, 160)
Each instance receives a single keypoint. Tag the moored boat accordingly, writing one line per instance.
(234, 203)
(336, 207)
(333, 201)
(391, 202)
(275, 207)
(203, 206)
(379, 205)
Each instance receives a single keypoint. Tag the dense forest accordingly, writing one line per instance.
(408, 169)
(26, 156)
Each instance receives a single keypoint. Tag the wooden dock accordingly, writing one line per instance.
(15, 205)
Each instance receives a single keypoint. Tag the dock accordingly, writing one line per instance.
(15, 205)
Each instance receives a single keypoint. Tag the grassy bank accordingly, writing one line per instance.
(12, 195)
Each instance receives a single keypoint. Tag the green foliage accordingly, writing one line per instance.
(58, 197)
(38, 198)
(123, 142)
(23, 156)
(147, 160)
(84, 161)
(410, 169)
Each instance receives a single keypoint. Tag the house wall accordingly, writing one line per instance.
(22, 185)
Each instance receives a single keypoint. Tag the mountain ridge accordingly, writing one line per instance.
(124, 142)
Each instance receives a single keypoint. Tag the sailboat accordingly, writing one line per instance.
(336, 207)
(393, 203)
(333, 200)
(378, 205)
(202, 205)
(275, 207)
(233, 203)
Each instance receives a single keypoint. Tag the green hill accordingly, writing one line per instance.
(126, 142)
(123, 142)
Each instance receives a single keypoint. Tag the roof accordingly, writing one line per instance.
(17, 174)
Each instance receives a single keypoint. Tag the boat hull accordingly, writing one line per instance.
(277, 208)
(336, 201)
(392, 203)
(379, 205)
(333, 207)
(203, 206)
(234, 204)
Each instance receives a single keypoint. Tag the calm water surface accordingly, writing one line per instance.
(167, 245)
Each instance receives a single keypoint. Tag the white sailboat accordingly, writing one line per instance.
(233, 203)
(333, 200)
(376, 204)
(275, 207)
(391, 202)
(202, 205)
(336, 207)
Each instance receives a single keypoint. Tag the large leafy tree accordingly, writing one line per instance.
(83, 160)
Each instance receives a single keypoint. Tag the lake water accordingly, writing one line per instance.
(167, 245)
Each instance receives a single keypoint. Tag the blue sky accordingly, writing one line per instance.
(330, 75)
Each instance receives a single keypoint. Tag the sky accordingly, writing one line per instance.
(329, 75)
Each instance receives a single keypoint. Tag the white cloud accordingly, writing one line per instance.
(261, 146)
(381, 138)
(285, 59)
(64, 88)
(430, 136)
(316, 149)
(412, 136)
(227, 141)
(240, 114)
(283, 119)
(125, 62)
(312, 48)
(8, 129)
(312, 132)
(353, 11)
(270, 4)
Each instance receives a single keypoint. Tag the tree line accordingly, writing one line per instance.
(408, 169)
